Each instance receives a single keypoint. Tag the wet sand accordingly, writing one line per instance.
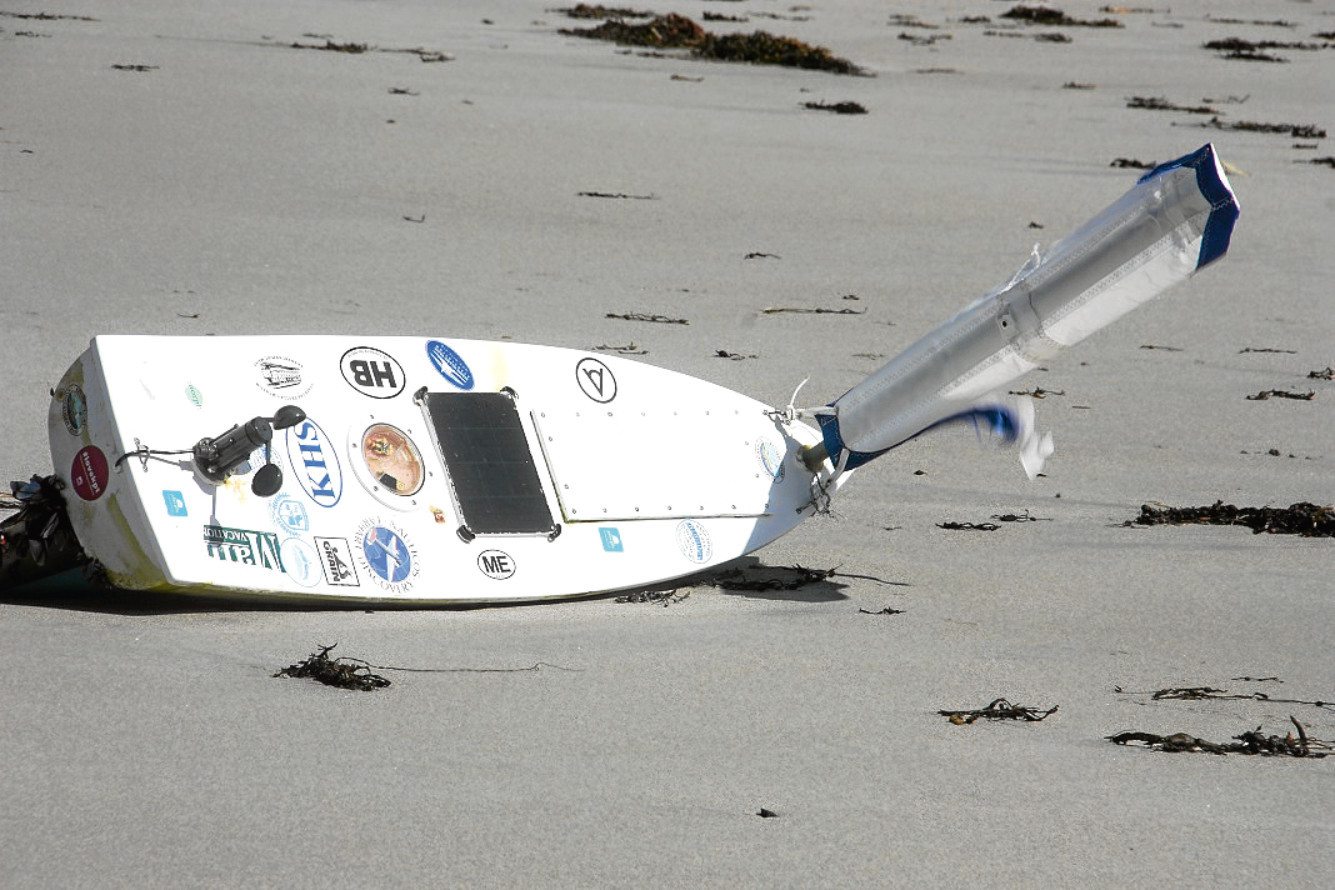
(178, 169)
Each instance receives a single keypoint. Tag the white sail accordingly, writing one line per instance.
(1177, 219)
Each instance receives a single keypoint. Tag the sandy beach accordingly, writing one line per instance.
(468, 170)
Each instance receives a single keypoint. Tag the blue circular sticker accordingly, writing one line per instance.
(388, 556)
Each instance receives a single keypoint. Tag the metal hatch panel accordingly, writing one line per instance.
(660, 464)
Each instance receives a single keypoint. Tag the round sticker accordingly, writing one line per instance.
(595, 380)
(282, 377)
(88, 474)
(74, 409)
(387, 555)
(392, 459)
(693, 540)
(300, 562)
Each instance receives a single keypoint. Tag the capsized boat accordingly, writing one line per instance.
(436, 470)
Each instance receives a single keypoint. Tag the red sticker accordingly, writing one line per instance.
(89, 473)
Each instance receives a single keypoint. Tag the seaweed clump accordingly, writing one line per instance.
(338, 672)
(1046, 15)
(1307, 520)
(675, 31)
(1251, 742)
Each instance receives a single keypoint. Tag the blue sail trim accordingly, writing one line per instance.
(1000, 420)
(1219, 227)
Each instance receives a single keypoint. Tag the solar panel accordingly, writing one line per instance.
(492, 474)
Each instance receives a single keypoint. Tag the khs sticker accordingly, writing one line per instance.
(315, 463)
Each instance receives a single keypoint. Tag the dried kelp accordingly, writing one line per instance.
(674, 31)
(1265, 394)
(804, 310)
(357, 49)
(1255, 50)
(1250, 742)
(631, 348)
(888, 610)
(999, 709)
(969, 526)
(47, 17)
(1327, 373)
(837, 107)
(662, 598)
(1046, 15)
(1133, 164)
(1304, 519)
(1158, 103)
(1202, 693)
(597, 11)
(1038, 392)
(623, 196)
(338, 672)
(772, 578)
(1020, 517)
(642, 316)
(355, 673)
(1297, 131)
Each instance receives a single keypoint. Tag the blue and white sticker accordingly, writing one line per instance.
(496, 564)
(194, 396)
(611, 540)
(290, 514)
(300, 562)
(74, 409)
(693, 541)
(771, 459)
(387, 555)
(175, 503)
(315, 463)
(449, 364)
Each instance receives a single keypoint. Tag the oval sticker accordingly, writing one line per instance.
(372, 372)
(496, 564)
(315, 463)
(450, 365)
